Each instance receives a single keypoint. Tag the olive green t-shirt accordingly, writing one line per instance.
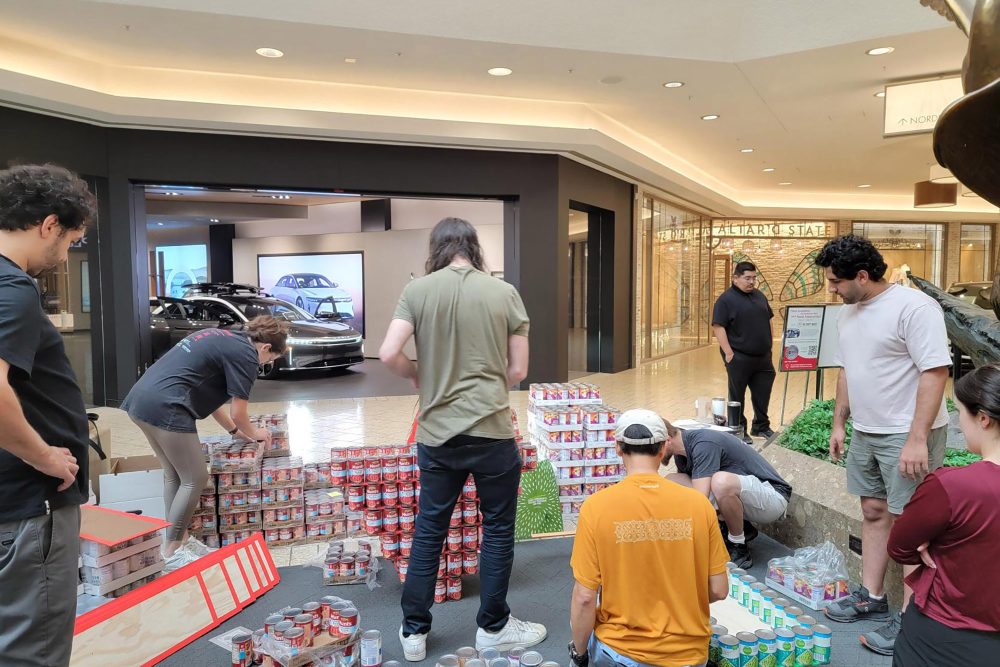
(462, 319)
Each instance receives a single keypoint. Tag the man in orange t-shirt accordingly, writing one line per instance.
(651, 553)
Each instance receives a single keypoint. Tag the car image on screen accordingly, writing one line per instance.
(309, 290)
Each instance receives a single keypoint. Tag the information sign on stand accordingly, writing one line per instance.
(802, 338)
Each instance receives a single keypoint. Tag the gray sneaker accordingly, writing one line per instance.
(858, 606)
(882, 640)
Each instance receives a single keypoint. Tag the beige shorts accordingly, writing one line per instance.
(761, 502)
(873, 465)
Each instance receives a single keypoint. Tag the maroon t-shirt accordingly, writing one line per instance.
(956, 510)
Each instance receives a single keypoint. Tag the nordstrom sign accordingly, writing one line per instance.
(912, 108)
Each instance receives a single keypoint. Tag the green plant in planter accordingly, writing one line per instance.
(809, 434)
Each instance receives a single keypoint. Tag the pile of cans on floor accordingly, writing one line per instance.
(791, 638)
(327, 631)
(571, 427)
(467, 656)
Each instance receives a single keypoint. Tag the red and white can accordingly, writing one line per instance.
(390, 469)
(453, 564)
(470, 562)
(469, 490)
(355, 498)
(390, 545)
(390, 494)
(454, 539)
(305, 622)
(470, 512)
(407, 496)
(373, 496)
(390, 519)
(373, 522)
(529, 457)
(442, 567)
(440, 591)
(347, 567)
(470, 538)
(407, 518)
(405, 544)
(373, 470)
(348, 621)
(407, 467)
(456, 517)
(355, 453)
(402, 567)
(370, 451)
(454, 588)
(362, 564)
(356, 471)
(337, 454)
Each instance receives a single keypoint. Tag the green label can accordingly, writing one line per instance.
(767, 606)
(803, 646)
(756, 598)
(729, 652)
(767, 648)
(734, 583)
(785, 640)
(713, 644)
(748, 649)
(822, 640)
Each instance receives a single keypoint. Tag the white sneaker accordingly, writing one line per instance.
(414, 646)
(196, 547)
(179, 559)
(515, 633)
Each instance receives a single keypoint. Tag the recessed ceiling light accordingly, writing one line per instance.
(785, 183)
(746, 150)
(159, 224)
(711, 116)
(499, 71)
(268, 52)
(865, 185)
(880, 51)
(673, 84)
(767, 170)
(281, 196)
(213, 220)
(880, 93)
(350, 61)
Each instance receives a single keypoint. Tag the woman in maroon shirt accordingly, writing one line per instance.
(951, 528)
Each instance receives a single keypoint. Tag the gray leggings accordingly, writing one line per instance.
(184, 474)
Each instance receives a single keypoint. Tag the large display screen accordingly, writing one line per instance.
(183, 264)
(318, 282)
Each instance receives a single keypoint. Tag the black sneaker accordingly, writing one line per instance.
(881, 640)
(857, 606)
(740, 555)
(762, 433)
(750, 531)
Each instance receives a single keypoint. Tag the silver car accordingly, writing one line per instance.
(310, 290)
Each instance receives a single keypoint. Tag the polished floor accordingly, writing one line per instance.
(321, 418)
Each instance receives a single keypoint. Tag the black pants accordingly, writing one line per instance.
(923, 642)
(757, 373)
(496, 467)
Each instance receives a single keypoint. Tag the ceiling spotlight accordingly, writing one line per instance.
(865, 185)
(880, 93)
(673, 84)
(172, 194)
(880, 51)
(159, 224)
(767, 170)
(350, 61)
(213, 219)
(785, 183)
(499, 71)
(268, 52)
(281, 196)
(746, 150)
(711, 116)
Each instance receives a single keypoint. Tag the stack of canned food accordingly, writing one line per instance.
(467, 656)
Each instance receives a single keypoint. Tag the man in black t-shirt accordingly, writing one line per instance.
(741, 321)
(740, 482)
(43, 423)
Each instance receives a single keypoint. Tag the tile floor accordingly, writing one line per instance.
(668, 386)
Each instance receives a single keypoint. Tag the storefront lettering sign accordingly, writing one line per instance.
(768, 229)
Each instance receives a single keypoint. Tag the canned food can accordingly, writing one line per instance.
(407, 493)
(470, 512)
(734, 582)
(469, 489)
(442, 567)
(338, 454)
(390, 494)
(407, 519)
(272, 621)
(792, 614)
(756, 589)
(456, 517)
(390, 545)
(373, 521)
(333, 623)
(281, 628)
(713, 642)
(806, 621)
(454, 540)
(767, 606)
(729, 651)
(786, 647)
(390, 519)
(405, 544)
(502, 662)
(242, 650)
(373, 496)
(745, 582)
(355, 452)
(470, 538)
(470, 562)
(291, 613)
(440, 591)
(347, 567)
(305, 621)
(780, 604)
(371, 649)
(465, 654)
(390, 469)
(822, 641)
(313, 608)
(748, 649)
(530, 659)
(803, 646)
(514, 656)
(767, 648)
(362, 565)
(296, 640)
(348, 621)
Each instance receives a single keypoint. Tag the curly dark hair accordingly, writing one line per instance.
(29, 193)
(452, 237)
(849, 254)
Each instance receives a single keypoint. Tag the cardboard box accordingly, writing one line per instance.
(104, 589)
(134, 484)
(108, 558)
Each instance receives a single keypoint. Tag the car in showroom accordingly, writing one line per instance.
(309, 290)
(313, 342)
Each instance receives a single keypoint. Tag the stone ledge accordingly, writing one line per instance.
(821, 509)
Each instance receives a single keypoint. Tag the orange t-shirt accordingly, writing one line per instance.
(650, 546)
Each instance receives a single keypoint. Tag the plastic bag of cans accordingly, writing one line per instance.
(324, 632)
(324, 515)
(277, 424)
(563, 392)
(284, 471)
(280, 497)
(350, 562)
(242, 480)
(232, 456)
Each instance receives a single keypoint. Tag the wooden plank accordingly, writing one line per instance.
(111, 527)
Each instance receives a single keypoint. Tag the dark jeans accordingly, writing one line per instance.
(496, 467)
(757, 373)
(923, 642)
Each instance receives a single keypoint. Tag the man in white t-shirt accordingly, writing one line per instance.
(894, 356)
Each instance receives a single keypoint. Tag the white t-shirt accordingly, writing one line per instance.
(885, 343)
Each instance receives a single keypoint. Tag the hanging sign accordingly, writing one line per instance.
(800, 342)
(914, 107)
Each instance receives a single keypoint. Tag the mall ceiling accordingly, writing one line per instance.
(789, 79)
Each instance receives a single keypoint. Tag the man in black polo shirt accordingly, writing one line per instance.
(43, 422)
(741, 321)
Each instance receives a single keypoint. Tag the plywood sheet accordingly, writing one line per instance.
(219, 593)
(111, 527)
(736, 618)
(236, 579)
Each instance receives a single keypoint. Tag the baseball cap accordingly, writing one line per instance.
(644, 427)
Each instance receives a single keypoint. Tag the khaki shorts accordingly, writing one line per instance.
(762, 504)
(873, 465)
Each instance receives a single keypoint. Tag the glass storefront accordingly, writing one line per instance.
(975, 254)
(917, 248)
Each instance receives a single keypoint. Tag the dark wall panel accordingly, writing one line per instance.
(220, 252)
